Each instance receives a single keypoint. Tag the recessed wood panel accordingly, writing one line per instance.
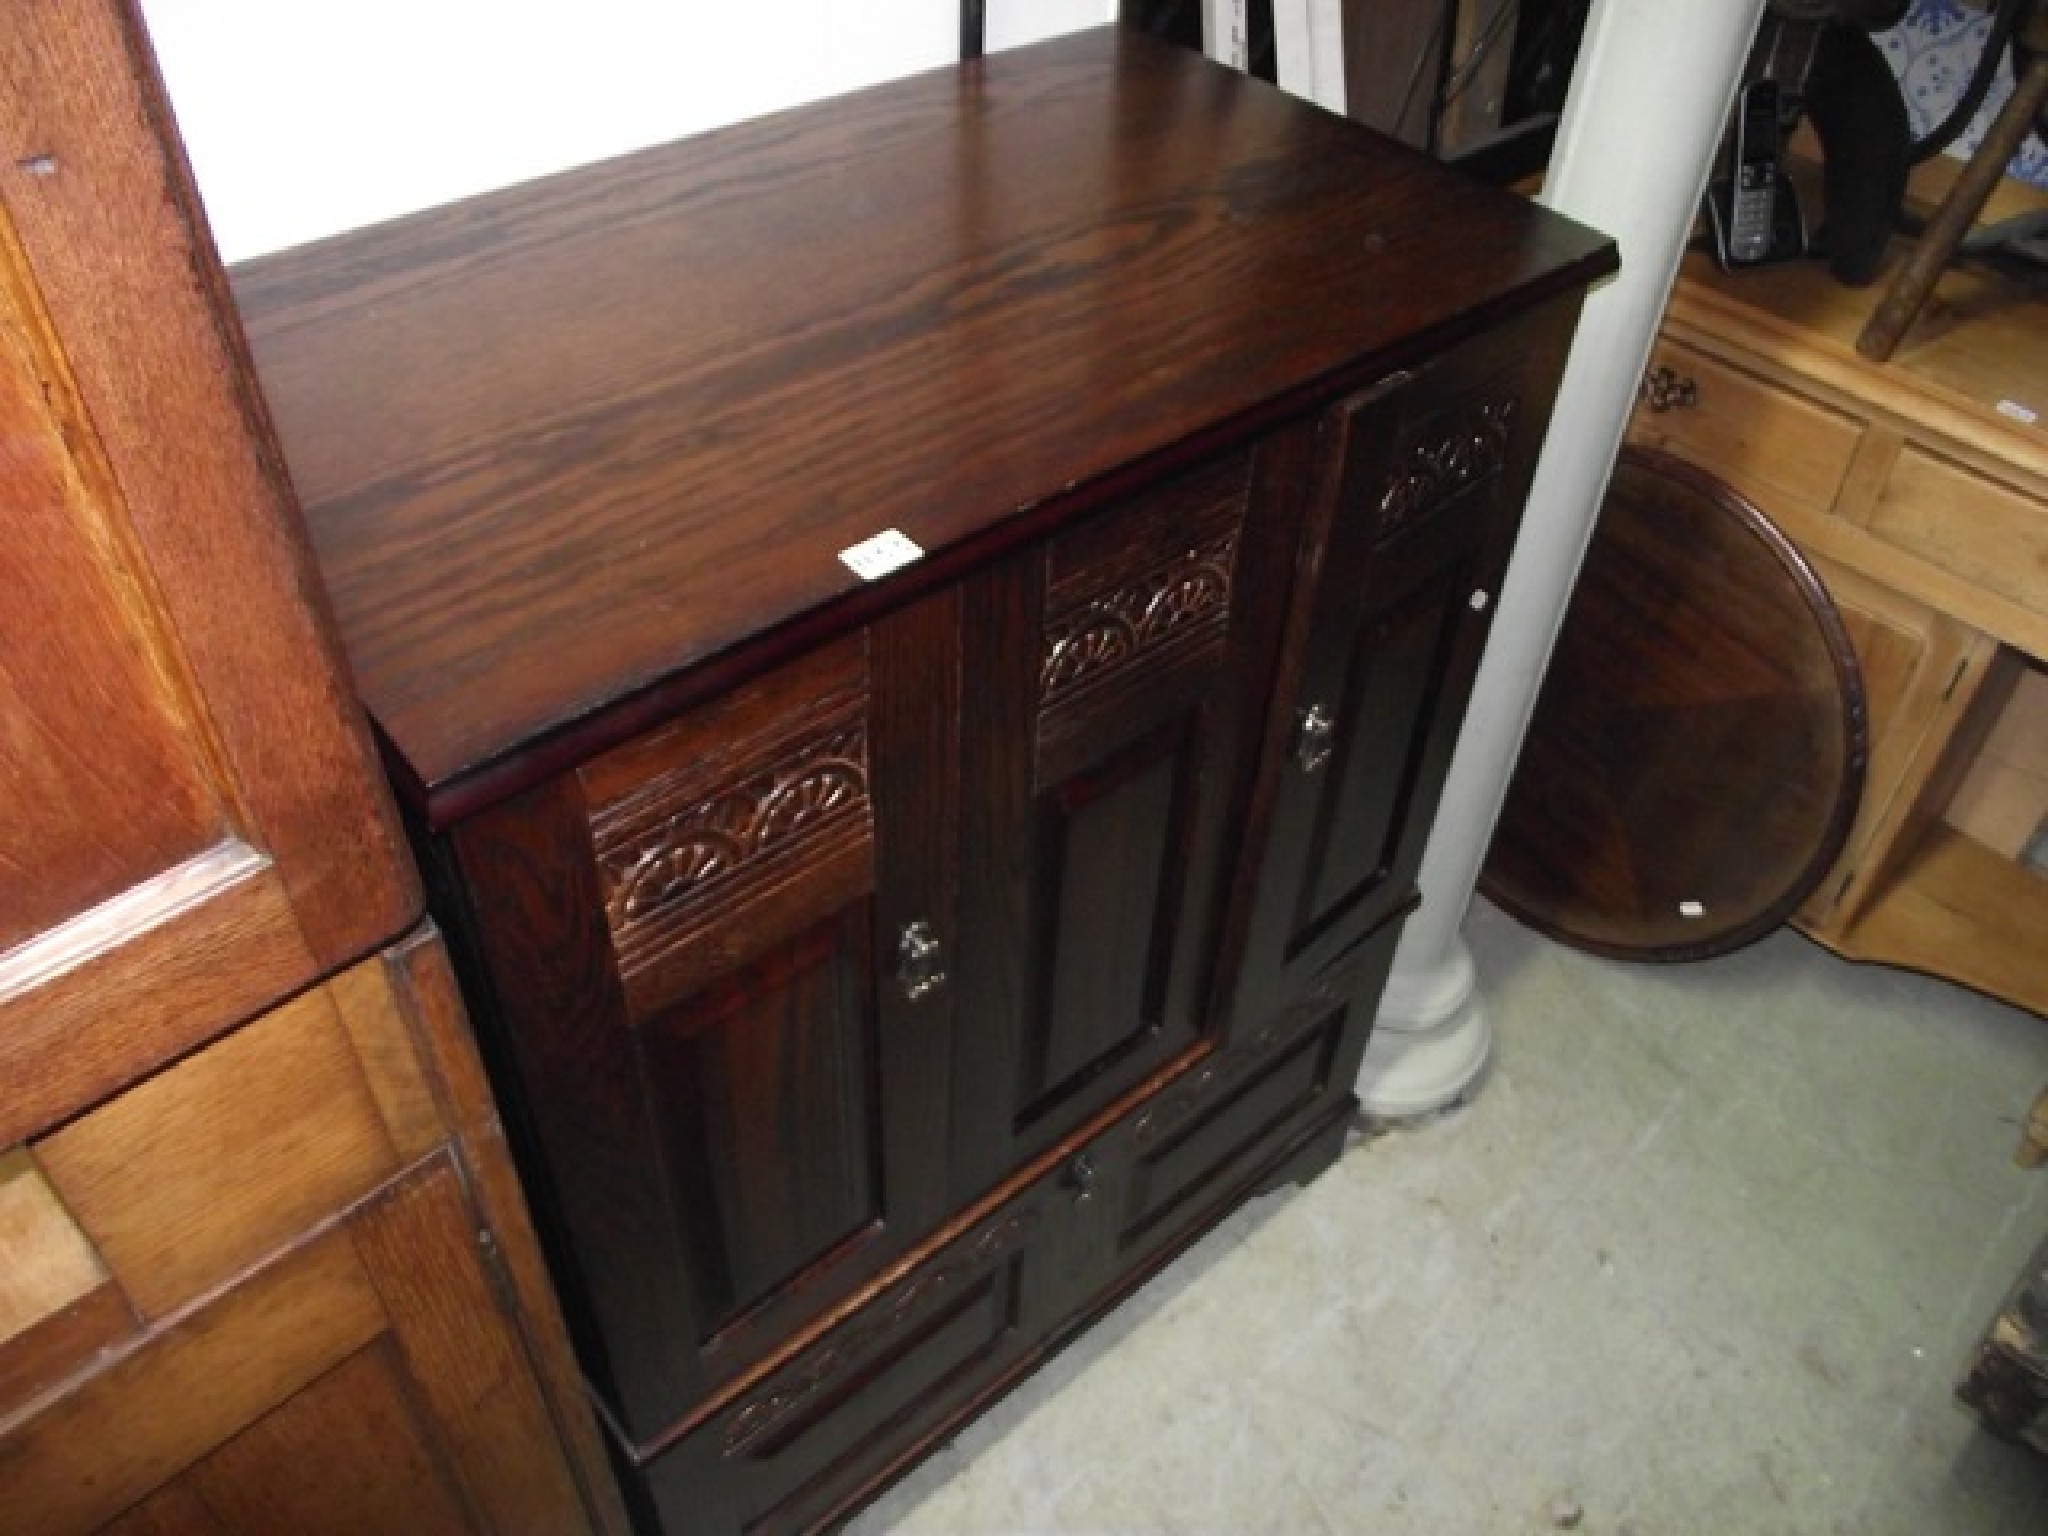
(1391, 680)
(1117, 843)
(766, 1097)
(207, 1167)
(346, 1456)
(127, 1429)
(789, 1453)
(1215, 1118)
(103, 779)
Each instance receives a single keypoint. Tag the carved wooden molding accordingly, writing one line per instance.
(855, 1342)
(1181, 603)
(1454, 452)
(674, 847)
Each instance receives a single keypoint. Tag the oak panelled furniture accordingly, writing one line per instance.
(264, 1264)
(888, 974)
(1918, 488)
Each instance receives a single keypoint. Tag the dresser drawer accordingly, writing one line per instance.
(1769, 444)
(827, 1428)
(1986, 532)
(1227, 1124)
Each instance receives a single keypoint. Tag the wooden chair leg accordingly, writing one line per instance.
(2033, 1148)
(1966, 199)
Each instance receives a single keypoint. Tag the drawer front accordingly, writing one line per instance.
(1988, 533)
(1769, 444)
(202, 1170)
(1189, 1154)
(826, 1429)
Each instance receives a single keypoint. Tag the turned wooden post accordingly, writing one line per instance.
(1894, 316)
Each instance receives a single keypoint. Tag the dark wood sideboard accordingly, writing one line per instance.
(883, 976)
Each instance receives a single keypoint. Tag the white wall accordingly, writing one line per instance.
(304, 119)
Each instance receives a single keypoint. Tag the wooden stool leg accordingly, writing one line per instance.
(1915, 280)
(2033, 1148)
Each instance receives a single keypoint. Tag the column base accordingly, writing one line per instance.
(1430, 1043)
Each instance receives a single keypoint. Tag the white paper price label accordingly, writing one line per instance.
(889, 550)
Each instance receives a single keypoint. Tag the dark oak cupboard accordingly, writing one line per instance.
(884, 976)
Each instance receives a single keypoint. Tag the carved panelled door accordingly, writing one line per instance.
(1421, 481)
(1099, 769)
(191, 822)
(720, 952)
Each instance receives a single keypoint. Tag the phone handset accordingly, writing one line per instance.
(1755, 212)
(1753, 208)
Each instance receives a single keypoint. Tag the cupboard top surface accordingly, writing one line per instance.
(560, 443)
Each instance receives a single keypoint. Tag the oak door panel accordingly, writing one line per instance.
(346, 1456)
(764, 1087)
(367, 1379)
(690, 949)
(462, 1361)
(117, 1435)
(1420, 489)
(1098, 777)
(106, 778)
(193, 825)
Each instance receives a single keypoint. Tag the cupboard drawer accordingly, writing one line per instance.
(826, 1429)
(1193, 1149)
(1767, 443)
(204, 1169)
(1985, 532)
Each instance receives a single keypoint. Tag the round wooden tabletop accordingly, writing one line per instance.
(1697, 751)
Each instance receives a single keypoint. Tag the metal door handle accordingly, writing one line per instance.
(1315, 738)
(920, 962)
(1081, 1178)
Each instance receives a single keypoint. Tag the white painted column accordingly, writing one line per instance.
(1640, 125)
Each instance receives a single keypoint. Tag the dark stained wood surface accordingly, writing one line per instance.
(1413, 511)
(558, 443)
(1697, 751)
(739, 1134)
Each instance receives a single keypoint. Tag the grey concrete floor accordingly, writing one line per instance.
(1706, 1253)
